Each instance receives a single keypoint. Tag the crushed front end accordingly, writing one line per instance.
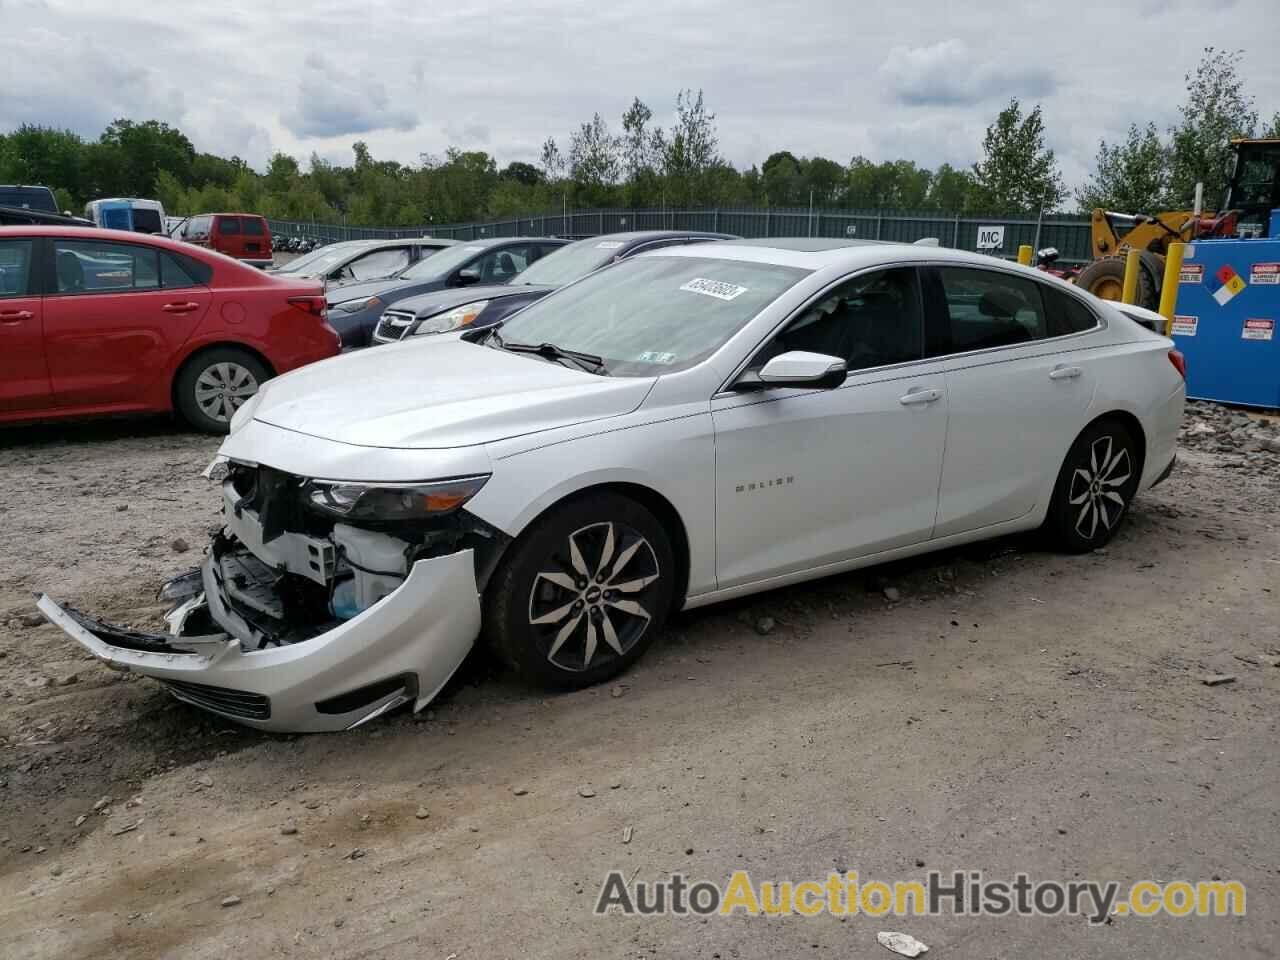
(319, 605)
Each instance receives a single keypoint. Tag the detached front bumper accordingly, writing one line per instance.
(403, 648)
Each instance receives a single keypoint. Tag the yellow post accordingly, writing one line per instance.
(1024, 254)
(1169, 289)
(1131, 268)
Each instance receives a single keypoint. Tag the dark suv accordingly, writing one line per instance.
(476, 306)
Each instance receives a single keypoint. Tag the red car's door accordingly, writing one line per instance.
(24, 375)
(113, 319)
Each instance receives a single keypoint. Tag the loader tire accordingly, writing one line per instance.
(1105, 278)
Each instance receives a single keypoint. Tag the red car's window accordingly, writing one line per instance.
(229, 226)
(86, 266)
(252, 226)
(15, 267)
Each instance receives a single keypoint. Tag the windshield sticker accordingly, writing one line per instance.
(714, 288)
(650, 357)
(473, 249)
(608, 244)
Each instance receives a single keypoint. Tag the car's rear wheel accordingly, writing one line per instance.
(583, 593)
(215, 384)
(1095, 486)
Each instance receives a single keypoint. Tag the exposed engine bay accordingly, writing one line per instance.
(289, 572)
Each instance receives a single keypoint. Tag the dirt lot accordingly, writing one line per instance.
(1015, 710)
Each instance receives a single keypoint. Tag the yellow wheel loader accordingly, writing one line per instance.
(1253, 191)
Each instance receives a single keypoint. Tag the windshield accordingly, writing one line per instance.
(317, 261)
(653, 315)
(439, 264)
(570, 262)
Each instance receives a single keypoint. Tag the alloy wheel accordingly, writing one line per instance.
(1095, 487)
(222, 388)
(592, 601)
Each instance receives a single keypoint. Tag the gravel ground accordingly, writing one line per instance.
(1013, 710)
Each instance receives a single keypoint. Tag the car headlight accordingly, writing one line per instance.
(390, 501)
(454, 319)
(355, 306)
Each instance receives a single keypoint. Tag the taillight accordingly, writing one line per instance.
(314, 304)
(1179, 362)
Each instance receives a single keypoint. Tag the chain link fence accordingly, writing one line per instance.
(997, 234)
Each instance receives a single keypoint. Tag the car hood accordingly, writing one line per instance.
(429, 304)
(438, 394)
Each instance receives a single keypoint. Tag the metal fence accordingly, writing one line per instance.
(1069, 234)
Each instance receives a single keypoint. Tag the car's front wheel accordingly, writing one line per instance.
(583, 593)
(1095, 486)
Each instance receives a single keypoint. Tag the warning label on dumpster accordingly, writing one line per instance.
(1258, 329)
(1265, 273)
(1191, 273)
(1184, 326)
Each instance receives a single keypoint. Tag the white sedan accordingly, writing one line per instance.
(684, 427)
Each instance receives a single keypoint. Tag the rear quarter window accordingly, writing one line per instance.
(1067, 315)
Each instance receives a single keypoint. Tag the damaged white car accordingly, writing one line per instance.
(687, 426)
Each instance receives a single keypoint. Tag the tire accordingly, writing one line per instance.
(1096, 484)
(214, 384)
(551, 617)
(1105, 278)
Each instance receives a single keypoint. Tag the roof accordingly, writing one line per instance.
(846, 255)
(661, 235)
(97, 233)
(805, 243)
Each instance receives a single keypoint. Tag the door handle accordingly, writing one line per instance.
(15, 316)
(1064, 373)
(181, 307)
(913, 397)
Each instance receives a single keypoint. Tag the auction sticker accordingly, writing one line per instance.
(1191, 273)
(714, 288)
(1265, 273)
(1258, 329)
(1184, 326)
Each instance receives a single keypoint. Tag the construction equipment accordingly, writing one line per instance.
(1253, 191)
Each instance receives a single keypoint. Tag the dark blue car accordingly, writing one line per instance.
(447, 310)
(354, 309)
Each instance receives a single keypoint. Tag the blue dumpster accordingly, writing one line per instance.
(1225, 321)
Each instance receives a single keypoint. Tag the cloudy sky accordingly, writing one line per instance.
(907, 78)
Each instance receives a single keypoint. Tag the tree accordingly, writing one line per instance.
(552, 159)
(1132, 176)
(1216, 109)
(523, 173)
(637, 142)
(594, 158)
(782, 179)
(951, 190)
(692, 147)
(1272, 130)
(145, 149)
(1017, 171)
(822, 178)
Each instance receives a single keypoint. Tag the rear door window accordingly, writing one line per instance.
(95, 267)
(179, 271)
(252, 226)
(15, 268)
(229, 226)
(987, 309)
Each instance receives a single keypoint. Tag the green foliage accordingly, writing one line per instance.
(641, 165)
(1217, 108)
(1131, 177)
(1017, 171)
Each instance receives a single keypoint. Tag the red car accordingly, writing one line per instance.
(245, 236)
(103, 322)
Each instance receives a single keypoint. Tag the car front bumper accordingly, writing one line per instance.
(403, 648)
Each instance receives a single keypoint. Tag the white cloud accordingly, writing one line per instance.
(949, 73)
(332, 102)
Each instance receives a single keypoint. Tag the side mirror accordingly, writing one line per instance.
(467, 277)
(799, 368)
